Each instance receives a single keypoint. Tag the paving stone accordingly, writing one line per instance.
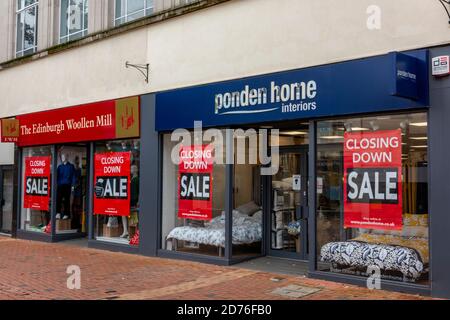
(112, 276)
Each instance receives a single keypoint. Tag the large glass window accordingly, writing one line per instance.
(372, 196)
(119, 228)
(203, 191)
(73, 20)
(36, 189)
(71, 186)
(26, 39)
(129, 10)
(247, 214)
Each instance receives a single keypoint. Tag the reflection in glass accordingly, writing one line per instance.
(129, 10)
(26, 42)
(74, 19)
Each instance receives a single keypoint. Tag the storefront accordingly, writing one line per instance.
(7, 181)
(328, 165)
(79, 171)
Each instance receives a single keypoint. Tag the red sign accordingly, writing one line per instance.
(112, 183)
(373, 180)
(37, 183)
(195, 182)
(108, 120)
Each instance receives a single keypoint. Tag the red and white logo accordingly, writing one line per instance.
(440, 66)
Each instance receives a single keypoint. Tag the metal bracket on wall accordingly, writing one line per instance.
(142, 68)
(444, 2)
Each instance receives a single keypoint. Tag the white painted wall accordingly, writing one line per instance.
(235, 39)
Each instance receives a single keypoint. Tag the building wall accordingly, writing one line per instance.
(439, 177)
(6, 30)
(231, 40)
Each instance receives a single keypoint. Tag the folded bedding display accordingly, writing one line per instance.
(246, 230)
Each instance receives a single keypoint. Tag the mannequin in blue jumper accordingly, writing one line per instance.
(65, 176)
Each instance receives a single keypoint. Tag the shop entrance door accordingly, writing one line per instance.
(6, 198)
(288, 205)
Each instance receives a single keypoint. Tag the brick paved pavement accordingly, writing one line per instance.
(33, 270)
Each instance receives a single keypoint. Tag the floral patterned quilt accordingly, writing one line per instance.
(362, 254)
(246, 230)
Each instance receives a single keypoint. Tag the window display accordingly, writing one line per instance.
(36, 192)
(71, 179)
(116, 191)
(247, 214)
(372, 207)
(193, 219)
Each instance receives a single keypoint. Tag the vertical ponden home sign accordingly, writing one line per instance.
(37, 183)
(112, 183)
(372, 180)
(195, 182)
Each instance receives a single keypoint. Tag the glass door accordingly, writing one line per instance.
(6, 198)
(289, 208)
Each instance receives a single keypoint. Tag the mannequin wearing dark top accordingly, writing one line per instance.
(65, 180)
(77, 206)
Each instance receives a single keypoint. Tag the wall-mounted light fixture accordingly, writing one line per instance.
(444, 4)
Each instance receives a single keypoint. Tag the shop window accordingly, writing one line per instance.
(26, 28)
(193, 198)
(71, 185)
(247, 196)
(116, 191)
(372, 197)
(36, 189)
(73, 20)
(129, 10)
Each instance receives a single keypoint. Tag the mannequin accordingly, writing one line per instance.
(134, 197)
(77, 193)
(65, 181)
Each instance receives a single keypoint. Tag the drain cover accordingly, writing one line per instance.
(295, 291)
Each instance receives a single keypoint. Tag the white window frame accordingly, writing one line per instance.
(127, 15)
(84, 31)
(20, 53)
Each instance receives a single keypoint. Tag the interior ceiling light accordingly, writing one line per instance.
(419, 146)
(332, 137)
(419, 138)
(295, 133)
(359, 129)
(419, 124)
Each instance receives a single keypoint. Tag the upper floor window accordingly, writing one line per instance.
(74, 20)
(128, 10)
(27, 14)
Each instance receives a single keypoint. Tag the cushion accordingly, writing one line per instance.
(363, 255)
(249, 208)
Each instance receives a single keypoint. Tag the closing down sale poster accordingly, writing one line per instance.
(112, 183)
(195, 182)
(373, 180)
(37, 183)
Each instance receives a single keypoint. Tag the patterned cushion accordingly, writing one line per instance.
(388, 258)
